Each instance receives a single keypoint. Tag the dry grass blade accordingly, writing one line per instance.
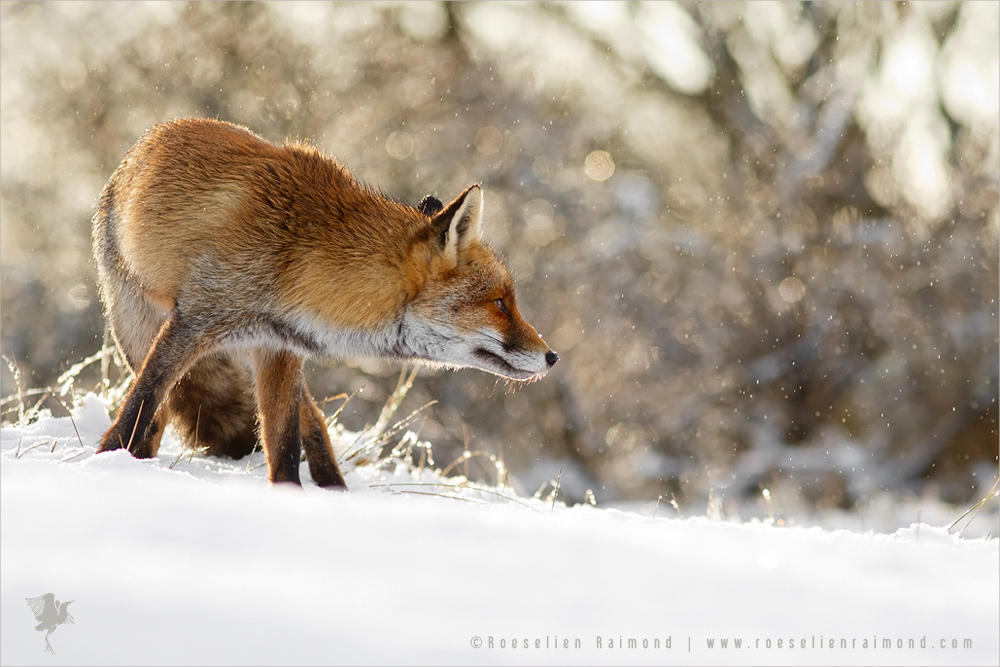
(106, 355)
(338, 397)
(27, 393)
(134, 427)
(471, 487)
(426, 456)
(197, 423)
(410, 440)
(356, 450)
(195, 451)
(464, 458)
(18, 380)
(177, 459)
(31, 413)
(249, 466)
(72, 421)
(38, 405)
(347, 399)
(977, 508)
(403, 385)
(65, 381)
(373, 437)
(74, 456)
(501, 469)
(441, 495)
(465, 448)
(404, 422)
(22, 452)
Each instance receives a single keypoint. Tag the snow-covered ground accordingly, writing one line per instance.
(178, 561)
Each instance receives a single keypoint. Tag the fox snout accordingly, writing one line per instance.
(512, 362)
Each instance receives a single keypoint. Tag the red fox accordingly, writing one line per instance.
(224, 260)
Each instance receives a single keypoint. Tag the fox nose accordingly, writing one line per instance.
(551, 358)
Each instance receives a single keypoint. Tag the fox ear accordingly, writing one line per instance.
(430, 206)
(458, 224)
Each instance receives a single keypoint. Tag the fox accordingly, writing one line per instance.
(225, 261)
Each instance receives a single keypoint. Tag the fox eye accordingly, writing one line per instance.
(500, 304)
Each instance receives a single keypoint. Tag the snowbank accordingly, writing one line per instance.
(204, 563)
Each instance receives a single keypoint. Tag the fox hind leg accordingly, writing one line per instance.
(137, 427)
(316, 442)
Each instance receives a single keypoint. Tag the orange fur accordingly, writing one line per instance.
(225, 259)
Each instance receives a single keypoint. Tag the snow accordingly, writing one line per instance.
(205, 563)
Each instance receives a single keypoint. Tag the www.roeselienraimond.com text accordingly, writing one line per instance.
(716, 643)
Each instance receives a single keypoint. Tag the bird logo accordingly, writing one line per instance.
(50, 614)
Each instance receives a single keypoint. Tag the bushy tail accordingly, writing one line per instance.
(214, 407)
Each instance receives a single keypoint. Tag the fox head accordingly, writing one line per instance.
(465, 313)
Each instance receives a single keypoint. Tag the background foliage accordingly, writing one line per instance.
(763, 237)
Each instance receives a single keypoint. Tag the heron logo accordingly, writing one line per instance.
(50, 614)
